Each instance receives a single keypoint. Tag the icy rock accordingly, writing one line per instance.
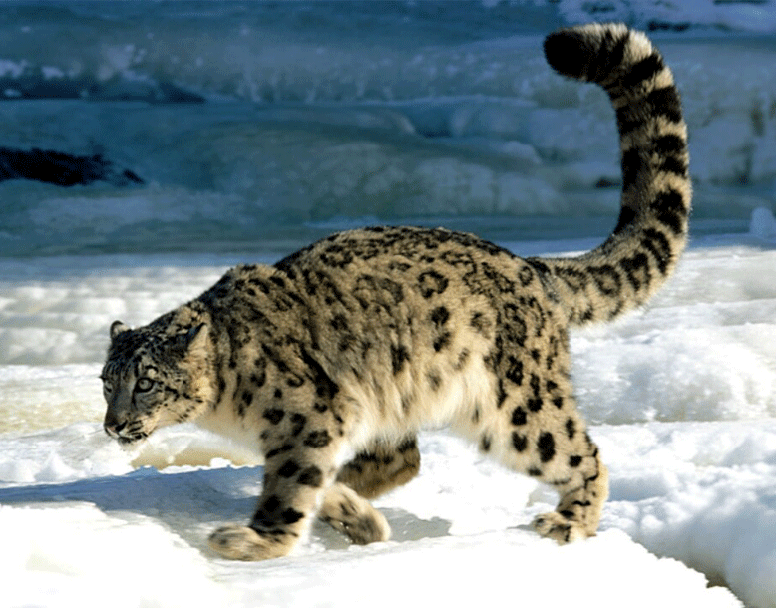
(763, 224)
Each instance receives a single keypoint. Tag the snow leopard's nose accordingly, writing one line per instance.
(113, 427)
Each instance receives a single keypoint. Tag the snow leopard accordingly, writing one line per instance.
(330, 361)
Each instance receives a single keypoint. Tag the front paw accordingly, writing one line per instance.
(246, 544)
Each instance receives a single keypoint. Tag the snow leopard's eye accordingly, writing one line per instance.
(107, 386)
(144, 385)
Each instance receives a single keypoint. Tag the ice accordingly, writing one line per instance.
(301, 118)
(736, 14)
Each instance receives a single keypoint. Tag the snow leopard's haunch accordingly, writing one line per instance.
(330, 361)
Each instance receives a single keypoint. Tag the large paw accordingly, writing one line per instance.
(243, 543)
(352, 515)
(556, 526)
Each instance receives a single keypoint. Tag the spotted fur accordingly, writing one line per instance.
(333, 359)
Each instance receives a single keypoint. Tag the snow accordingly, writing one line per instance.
(681, 399)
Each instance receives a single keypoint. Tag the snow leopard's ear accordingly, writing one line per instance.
(195, 340)
(117, 328)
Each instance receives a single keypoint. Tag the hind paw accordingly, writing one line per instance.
(559, 528)
(352, 515)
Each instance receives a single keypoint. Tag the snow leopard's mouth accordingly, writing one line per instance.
(125, 435)
(134, 440)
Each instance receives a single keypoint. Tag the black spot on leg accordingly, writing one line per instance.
(408, 444)
(570, 428)
(535, 404)
(519, 417)
(318, 439)
(288, 469)
(536, 386)
(271, 504)
(274, 415)
(259, 379)
(546, 445)
(247, 398)
(519, 442)
(575, 460)
(291, 516)
(311, 476)
(281, 450)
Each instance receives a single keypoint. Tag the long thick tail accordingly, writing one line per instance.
(641, 253)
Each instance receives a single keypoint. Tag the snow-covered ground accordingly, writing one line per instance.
(681, 399)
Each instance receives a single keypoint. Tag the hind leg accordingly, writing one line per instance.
(346, 511)
(373, 471)
(382, 467)
(537, 430)
(582, 483)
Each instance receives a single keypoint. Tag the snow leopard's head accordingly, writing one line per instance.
(153, 379)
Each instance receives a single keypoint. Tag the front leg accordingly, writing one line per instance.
(299, 467)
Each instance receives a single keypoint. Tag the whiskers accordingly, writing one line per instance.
(84, 432)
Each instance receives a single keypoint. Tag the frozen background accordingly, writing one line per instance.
(202, 134)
